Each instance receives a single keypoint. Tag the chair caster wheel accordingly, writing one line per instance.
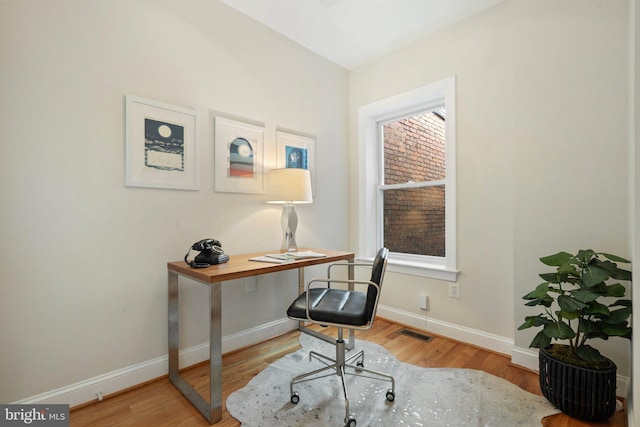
(350, 422)
(391, 395)
(360, 364)
(295, 398)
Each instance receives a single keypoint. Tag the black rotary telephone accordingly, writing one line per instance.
(210, 253)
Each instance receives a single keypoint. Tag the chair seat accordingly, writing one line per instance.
(331, 305)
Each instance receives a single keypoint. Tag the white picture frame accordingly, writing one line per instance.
(161, 148)
(239, 156)
(296, 151)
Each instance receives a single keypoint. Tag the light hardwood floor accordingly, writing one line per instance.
(158, 403)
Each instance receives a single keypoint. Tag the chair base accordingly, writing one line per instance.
(340, 365)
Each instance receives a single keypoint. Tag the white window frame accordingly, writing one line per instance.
(370, 151)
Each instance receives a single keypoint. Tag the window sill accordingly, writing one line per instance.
(423, 270)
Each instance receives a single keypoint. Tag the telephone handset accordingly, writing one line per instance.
(210, 253)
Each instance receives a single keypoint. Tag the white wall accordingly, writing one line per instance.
(542, 152)
(83, 258)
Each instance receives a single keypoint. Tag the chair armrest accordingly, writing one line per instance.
(345, 281)
(346, 264)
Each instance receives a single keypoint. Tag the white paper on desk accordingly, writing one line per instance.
(271, 260)
(306, 254)
(296, 255)
(283, 257)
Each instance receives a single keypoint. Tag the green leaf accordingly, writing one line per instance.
(567, 269)
(589, 328)
(620, 274)
(614, 258)
(546, 301)
(584, 295)
(595, 308)
(539, 292)
(539, 296)
(569, 315)
(585, 256)
(556, 260)
(593, 275)
(534, 321)
(617, 330)
(588, 353)
(619, 315)
(540, 340)
(613, 270)
(551, 277)
(615, 290)
(567, 303)
(621, 303)
(558, 330)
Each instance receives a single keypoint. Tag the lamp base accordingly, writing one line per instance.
(289, 221)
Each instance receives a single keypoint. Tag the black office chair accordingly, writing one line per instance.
(341, 308)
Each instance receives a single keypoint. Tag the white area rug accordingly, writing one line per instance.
(424, 396)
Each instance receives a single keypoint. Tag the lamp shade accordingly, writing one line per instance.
(289, 185)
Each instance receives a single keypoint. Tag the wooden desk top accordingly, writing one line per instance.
(239, 266)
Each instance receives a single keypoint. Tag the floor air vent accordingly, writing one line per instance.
(416, 335)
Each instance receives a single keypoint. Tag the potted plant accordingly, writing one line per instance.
(579, 304)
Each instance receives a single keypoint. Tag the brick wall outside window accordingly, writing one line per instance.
(414, 219)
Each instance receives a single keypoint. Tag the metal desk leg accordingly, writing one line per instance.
(174, 339)
(211, 410)
(301, 282)
(215, 352)
(351, 343)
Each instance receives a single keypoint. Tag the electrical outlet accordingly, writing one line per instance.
(424, 302)
(454, 290)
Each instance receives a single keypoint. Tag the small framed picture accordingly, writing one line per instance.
(161, 146)
(296, 151)
(239, 148)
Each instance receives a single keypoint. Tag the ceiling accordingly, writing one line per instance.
(352, 32)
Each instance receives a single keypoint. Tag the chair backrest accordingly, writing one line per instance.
(377, 275)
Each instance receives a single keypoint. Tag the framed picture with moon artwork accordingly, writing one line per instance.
(161, 146)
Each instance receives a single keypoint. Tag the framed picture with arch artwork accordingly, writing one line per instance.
(239, 148)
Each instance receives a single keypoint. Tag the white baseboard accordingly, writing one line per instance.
(525, 357)
(456, 332)
(121, 379)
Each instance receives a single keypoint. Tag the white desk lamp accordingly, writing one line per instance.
(289, 186)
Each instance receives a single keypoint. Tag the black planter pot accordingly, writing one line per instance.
(583, 393)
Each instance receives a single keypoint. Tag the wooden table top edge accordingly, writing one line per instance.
(239, 266)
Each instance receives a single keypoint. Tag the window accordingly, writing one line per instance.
(407, 180)
(413, 183)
